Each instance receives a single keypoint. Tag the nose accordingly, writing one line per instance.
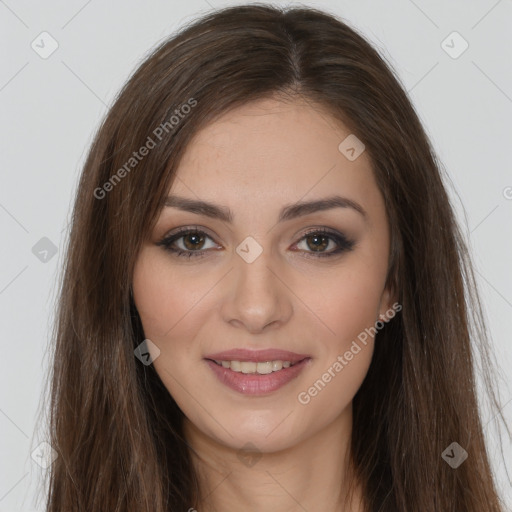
(256, 297)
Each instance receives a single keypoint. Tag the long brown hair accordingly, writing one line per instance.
(116, 429)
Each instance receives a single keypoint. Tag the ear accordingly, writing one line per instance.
(389, 305)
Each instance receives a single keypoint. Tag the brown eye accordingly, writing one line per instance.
(317, 242)
(187, 243)
(193, 241)
(324, 243)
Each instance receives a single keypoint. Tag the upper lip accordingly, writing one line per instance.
(257, 356)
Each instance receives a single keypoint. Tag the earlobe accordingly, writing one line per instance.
(389, 306)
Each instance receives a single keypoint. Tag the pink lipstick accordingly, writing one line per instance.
(256, 372)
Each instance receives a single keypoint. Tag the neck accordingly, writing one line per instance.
(314, 474)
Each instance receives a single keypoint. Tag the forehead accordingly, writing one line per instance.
(269, 151)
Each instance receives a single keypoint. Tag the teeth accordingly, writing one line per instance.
(277, 365)
(262, 368)
(235, 366)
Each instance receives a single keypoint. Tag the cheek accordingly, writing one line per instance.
(164, 312)
(169, 320)
(349, 307)
(350, 310)
(350, 303)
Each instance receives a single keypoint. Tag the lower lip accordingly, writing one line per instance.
(254, 383)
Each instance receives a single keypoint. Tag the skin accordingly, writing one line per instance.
(255, 160)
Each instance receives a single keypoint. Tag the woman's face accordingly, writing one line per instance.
(260, 274)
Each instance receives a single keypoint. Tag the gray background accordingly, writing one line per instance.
(51, 107)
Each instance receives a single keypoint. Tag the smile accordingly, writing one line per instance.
(262, 368)
(256, 378)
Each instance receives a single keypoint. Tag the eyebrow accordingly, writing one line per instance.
(288, 212)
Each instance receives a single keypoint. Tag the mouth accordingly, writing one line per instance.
(253, 367)
(257, 372)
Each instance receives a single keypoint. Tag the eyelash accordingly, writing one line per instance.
(344, 244)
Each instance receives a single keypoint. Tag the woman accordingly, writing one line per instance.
(267, 302)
